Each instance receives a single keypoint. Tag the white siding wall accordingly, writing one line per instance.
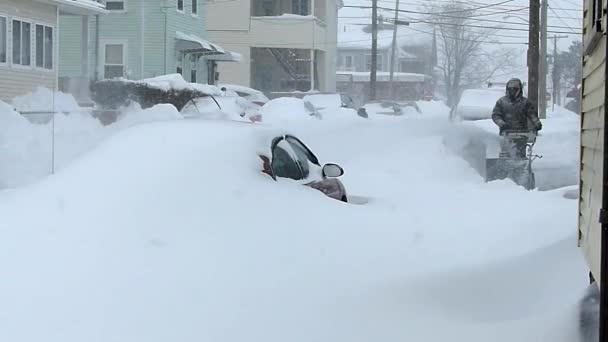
(242, 32)
(19, 80)
(592, 153)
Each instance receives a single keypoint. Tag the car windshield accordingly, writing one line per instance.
(285, 162)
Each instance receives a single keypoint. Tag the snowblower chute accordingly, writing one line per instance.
(515, 159)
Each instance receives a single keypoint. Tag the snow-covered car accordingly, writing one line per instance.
(284, 110)
(333, 102)
(222, 107)
(476, 104)
(290, 158)
(247, 93)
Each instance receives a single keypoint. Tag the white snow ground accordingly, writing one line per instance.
(167, 231)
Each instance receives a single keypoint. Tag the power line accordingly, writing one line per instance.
(473, 19)
(503, 10)
(462, 25)
(560, 19)
(469, 3)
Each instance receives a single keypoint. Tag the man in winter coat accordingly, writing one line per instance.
(515, 112)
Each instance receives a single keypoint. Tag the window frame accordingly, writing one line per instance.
(194, 4)
(352, 62)
(183, 10)
(12, 43)
(6, 40)
(125, 49)
(53, 49)
(124, 6)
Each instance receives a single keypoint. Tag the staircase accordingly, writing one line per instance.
(289, 61)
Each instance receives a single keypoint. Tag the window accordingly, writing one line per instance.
(283, 165)
(3, 40)
(348, 62)
(193, 76)
(115, 5)
(299, 7)
(114, 61)
(21, 43)
(194, 7)
(180, 5)
(44, 47)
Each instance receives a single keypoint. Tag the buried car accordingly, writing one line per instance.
(290, 158)
(222, 107)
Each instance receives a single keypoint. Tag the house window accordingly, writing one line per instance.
(193, 76)
(299, 7)
(180, 5)
(44, 47)
(3, 40)
(194, 7)
(368, 63)
(115, 5)
(114, 61)
(21, 43)
(179, 70)
(348, 62)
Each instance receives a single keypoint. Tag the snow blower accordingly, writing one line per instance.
(515, 159)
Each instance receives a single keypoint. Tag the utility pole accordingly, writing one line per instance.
(393, 48)
(372, 74)
(555, 75)
(533, 52)
(542, 65)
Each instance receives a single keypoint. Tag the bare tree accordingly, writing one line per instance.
(463, 61)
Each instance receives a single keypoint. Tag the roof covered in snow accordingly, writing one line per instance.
(381, 76)
(78, 7)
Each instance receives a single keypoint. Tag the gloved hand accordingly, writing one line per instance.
(539, 126)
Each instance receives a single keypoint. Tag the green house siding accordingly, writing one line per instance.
(70, 53)
(148, 29)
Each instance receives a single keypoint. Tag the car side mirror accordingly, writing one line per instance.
(332, 170)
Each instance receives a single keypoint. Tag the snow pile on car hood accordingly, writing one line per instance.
(286, 111)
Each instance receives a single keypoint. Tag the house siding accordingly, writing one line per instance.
(245, 32)
(591, 145)
(70, 53)
(359, 59)
(155, 21)
(18, 80)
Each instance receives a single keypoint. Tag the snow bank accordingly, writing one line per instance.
(30, 151)
(161, 235)
(45, 100)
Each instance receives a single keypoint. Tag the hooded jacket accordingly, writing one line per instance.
(517, 113)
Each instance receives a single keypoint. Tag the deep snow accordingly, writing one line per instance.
(168, 231)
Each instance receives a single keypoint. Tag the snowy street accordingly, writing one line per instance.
(169, 231)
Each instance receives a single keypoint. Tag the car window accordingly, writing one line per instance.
(284, 162)
(301, 156)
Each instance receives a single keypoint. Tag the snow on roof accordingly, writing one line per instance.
(383, 76)
(79, 7)
(196, 39)
(288, 16)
